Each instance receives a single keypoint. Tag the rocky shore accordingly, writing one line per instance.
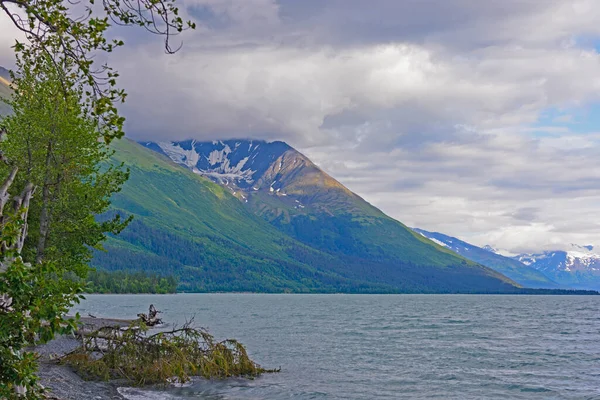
(61, 381)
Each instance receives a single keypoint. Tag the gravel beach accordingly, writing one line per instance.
(62, 382)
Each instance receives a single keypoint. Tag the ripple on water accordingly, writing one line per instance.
(390, 347)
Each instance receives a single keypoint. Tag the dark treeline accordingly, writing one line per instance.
(578, 292)
(130, 282)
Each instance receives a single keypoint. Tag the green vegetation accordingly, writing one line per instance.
(51, 146)
(160, 358)
(129, 282)
(55, 146)
(54, 143)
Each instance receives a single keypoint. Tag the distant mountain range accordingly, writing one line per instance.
(577, 267)
(515, 270)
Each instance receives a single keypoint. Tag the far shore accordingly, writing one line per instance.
(523, 292)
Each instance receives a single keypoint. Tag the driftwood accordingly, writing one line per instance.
(151, 319)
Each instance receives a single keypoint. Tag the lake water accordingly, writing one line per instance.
(389, 346)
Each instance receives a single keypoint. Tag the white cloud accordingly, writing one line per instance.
(516, 193)
(426, 109)
(8, 35)
(290, 92)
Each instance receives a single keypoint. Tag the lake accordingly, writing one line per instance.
(389, 346)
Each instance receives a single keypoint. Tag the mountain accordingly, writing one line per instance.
(314, 235)
(575, 266)
(5, 90)
(515, 270)
(189, 226)
(275, 182)
(4, 74)
(285, 188)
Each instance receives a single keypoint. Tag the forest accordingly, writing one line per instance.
(129, 282)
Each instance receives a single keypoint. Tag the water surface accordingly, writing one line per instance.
(389, 346)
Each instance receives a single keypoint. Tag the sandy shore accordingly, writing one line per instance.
(62, 382)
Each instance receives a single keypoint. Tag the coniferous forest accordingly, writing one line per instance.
(130, 282)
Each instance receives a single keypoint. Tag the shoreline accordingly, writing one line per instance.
(61, 381)
(522, 292)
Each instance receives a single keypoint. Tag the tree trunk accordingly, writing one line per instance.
(44, 215)
(4, 195)
(20, 205)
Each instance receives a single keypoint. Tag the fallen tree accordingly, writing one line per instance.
(144, 358)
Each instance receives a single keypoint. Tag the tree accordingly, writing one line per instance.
(65, 116)
(32, 300)
(78, 31)
(56, 146)
(58, 149)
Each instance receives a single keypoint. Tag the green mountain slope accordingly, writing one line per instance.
(288, 190)
(187, 225)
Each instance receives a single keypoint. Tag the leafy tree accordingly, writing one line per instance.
(77, 31)
(64, 117)
(55, 144)
(32, 299)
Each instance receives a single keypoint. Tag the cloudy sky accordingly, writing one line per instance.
(479, 119)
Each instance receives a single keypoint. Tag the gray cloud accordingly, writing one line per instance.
(428, 109)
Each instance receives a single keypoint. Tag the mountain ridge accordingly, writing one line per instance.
(577, 266)
(517, 271)
(572, 265)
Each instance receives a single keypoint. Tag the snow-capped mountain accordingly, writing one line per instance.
(272, 177)
(574, 265)
(574, 258)
(488, 256)
(233, 162)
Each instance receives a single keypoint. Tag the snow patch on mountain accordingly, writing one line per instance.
(220, 165)
(189, 158)
(438, 242)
